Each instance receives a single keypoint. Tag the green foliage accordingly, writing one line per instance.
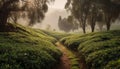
(71, 41)
(68, 24)
(94, 11)
(100, 50)
(12, 10)
(112, 64)
(27, 49)
(56, 35)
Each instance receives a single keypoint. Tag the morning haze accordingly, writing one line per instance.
(88, 37)
(55, 10)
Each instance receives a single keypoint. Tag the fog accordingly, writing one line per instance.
(51, 18)
(55, 10)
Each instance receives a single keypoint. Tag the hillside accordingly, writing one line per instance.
(99, 50)
(27, 48)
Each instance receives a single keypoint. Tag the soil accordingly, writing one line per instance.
(64, 60)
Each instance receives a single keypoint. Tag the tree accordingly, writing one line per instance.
(84, 10)
(79, 9)
(67, 24)
(100, 20)
(111, 10)
(64, 25)
(33, 9)
(92, 16)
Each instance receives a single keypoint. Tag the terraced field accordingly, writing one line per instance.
(27, 48)
(100, 50)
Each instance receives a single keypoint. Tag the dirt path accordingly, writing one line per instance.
(65, 62)
(70, 60)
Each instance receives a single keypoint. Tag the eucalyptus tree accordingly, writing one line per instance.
(79, 9)
(100, 20)
(34, 10)
(84, 10)
(67, 24)
(64, 25)
(92, 16)
(111, 11)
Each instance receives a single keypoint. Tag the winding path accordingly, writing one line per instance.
(65, 61)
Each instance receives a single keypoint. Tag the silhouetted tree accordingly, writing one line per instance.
(92, 16)
(79, 10)
(100, 20)
(111, 10)
(67, 24)
(84, 10)
(33, 9)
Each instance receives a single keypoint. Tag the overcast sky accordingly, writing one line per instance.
(58, 4)
(55, 10)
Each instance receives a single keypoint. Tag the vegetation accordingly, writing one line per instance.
(67, 24)
(100, 50)
(89, 12)
(34, 10)
(72, 60)
(56, 35)
(27, 48)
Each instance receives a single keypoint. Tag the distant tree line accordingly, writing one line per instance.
(67, 24)
(92, 12)
(11, 10)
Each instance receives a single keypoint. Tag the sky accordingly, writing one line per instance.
(58, 4)
(55, 10)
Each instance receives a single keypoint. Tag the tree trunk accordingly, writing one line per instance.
(93, 25)
(84, 30)
(108, 24)
(3, 21)
(93, 28)
(108, 21)
(84, 26)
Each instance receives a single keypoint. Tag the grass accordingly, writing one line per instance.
(74, 61)
(27, 48)
(56, 35)
(100, 50)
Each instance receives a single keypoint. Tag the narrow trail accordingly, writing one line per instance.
(65, 60)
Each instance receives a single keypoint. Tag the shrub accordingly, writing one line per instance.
(27, 49)
(101, 50)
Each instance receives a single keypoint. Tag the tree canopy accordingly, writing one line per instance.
(67, 24)
(34, 10)
(91, 10)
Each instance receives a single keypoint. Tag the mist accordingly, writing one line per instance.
(55, 10)
(51, 17)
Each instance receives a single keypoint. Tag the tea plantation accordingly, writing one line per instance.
(27, 48)
(99, 50)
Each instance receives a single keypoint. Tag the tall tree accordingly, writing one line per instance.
(79, 9)
(92, 16)
(100, 20)
(67, 24)
(110, 9)
(33, 9)
(89, 9)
